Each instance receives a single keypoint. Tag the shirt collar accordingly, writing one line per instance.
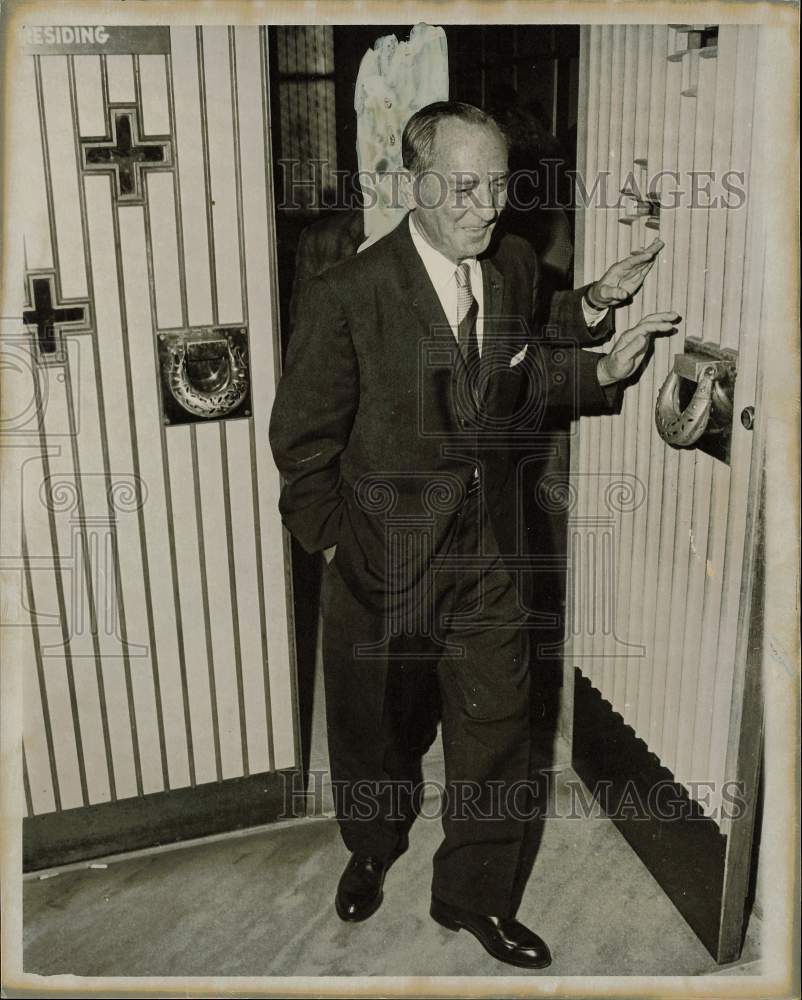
(439, 268)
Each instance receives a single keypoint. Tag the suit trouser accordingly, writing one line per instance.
(386, 686)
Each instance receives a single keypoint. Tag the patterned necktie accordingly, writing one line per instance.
(466, 319)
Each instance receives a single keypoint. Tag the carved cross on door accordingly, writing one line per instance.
(126, 155)
(49, 316)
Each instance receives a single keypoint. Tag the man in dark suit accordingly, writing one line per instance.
(413, 378)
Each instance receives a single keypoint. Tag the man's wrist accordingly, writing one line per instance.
(590, 299)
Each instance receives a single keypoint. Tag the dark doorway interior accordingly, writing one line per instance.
(527, 75)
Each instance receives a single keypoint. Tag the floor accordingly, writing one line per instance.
(260, 904)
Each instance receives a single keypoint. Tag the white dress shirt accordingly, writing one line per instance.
(443, 275)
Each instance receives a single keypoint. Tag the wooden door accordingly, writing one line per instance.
(159, 697)
(663, 540)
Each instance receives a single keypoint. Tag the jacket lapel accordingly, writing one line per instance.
(443, 358)
(418, 289)
(422, 299)
(502, 339)
(493, 286)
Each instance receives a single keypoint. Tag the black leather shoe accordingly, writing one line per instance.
(359, 893)
(502, 937)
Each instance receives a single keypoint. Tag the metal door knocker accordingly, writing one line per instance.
(204, 375)
(694, 407)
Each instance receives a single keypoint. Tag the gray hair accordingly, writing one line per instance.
(417, 141)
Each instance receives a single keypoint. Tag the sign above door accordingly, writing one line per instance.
(88, 39)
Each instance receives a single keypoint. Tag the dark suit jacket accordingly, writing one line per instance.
(321, 245)
(374, 429)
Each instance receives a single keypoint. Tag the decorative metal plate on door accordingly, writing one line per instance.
(694, 407)
(204, 375)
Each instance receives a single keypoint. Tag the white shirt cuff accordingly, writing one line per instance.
(592, 316)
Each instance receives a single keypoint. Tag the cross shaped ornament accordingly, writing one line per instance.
(49, 316)
(126, 154)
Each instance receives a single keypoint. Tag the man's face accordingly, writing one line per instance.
(459, 200)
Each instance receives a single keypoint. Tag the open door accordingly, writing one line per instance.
(159, 691)
(665, 583)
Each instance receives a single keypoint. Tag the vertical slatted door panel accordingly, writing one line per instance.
(124, 575)
(155, 560)
(690, 541)
(238, 439)
(67, 480)
(272, 689)
(211, 474)
(623, 493)
(274, 545)
(664, 462)
(124, 486)
(677, 499)
(670, 668)
(641, 570)
(46, 682)
(41, 778)
(193, 308)
(654, 592)
(629, 595)
(156, 535)
(722, 270)
(715, 85)
(102, 228)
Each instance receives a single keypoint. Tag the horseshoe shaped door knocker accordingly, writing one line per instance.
(204, 374)
(694, 406)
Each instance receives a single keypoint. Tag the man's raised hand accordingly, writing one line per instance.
(621, 281)
(628, 350)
